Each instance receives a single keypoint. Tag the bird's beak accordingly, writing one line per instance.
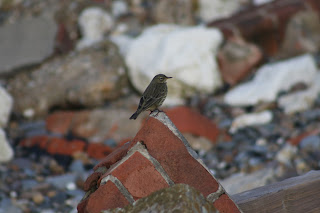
(168, 77)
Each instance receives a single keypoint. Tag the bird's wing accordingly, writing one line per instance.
(151, 96)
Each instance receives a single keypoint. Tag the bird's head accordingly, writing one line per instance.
(160, 78)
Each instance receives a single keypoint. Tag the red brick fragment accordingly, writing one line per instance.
(225, 205)
(59, 122)
(98, 150)
(40, 141)
(188, 120)
(105, 197)
(64, 147)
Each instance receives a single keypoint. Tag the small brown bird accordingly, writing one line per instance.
(154, 95)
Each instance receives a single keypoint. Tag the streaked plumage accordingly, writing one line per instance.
(153, 96)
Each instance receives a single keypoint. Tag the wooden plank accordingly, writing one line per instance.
(294, 195)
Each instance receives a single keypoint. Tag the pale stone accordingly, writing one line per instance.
(94, 23)
(286, 154)
(6, 103)
(270, 79)
(6, 152)
(302, 100)
(188, 54)
(251, 119)
(210, 10)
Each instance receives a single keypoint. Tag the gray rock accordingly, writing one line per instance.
(77, 167)
(27, 41)
(61, 181)
(178, 198)
(310, 143)
(87, 78)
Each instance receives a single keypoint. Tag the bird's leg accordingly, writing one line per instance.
(158, 110)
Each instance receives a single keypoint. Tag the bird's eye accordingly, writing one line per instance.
(161, 78)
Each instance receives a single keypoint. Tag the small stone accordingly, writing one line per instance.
(286, 154)
(119, 8)
(94, 23)
(210, 10)
(251, 119)
(37, 198)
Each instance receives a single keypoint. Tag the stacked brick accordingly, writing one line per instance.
(265, 25)
(158, 157)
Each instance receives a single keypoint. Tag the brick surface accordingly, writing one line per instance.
(105, 197)
(225, 205)
(188, 120)
(64, 147)
(237, 58)
(98, 150)
(139, 176)
(113, 157)
(173, 156)
(59, 122)
(265, 25)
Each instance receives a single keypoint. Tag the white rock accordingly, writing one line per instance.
(260, 2)
(94, 22)
(210, 10)
(286, 154)
(6, 152)
(119, 8)
(270, 79)
(185, 53)
(123, 42)
(250, 120)
(302, 100)
(6, 102)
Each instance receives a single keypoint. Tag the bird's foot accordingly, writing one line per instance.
(158, 110)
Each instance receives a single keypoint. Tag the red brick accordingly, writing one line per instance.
(80, 127)
(64, 147)
(98, 150)
(296, 140)
(225, 205)
(60, 122)
(173, 156)
(235, 67)
(139, 176)
(188, 120)
(105, 197)
(40, 141)
(113, 157)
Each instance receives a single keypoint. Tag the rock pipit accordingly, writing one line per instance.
(154, 95)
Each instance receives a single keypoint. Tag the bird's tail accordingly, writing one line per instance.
(135, 115)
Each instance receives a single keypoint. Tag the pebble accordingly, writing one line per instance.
(38, 198)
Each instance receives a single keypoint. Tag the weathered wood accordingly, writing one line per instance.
(294, 195)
